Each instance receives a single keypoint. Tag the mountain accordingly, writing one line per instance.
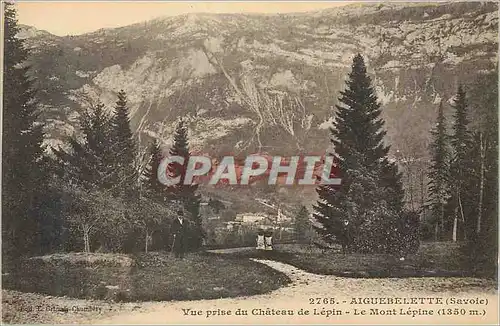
(267, 83)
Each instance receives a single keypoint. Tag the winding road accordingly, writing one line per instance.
(275, 307)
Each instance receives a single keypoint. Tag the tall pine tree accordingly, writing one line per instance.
(439, 173)
(186, 194)
(367, 204)
(124, 149)
(460, 144)
(23, 178)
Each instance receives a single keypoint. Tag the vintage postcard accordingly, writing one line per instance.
(249, 162)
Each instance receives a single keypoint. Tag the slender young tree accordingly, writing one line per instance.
(439, 173)
(186, 194)
(367, 203)
(23, 177)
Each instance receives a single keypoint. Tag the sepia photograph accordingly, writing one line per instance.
(260, 162)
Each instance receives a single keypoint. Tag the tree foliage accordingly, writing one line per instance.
(439, 174)
(370, 199)
(481, 189)
(151, 184)
(88, 161)
(302, 224)
(185, 193)
(460, 161)
(24, 173)
(123, 148)
(102, 163)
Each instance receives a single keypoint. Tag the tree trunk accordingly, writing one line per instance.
(462, 214)
(86, 241)
(442, 221)
(455, 226)
(482, 151)
(147, 241)
(86, 237)
(436, 231)
(410, 188)
(422, 199)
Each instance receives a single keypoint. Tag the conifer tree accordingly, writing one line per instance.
(123, 147)
(439, 173)
(460, 139)
(23, 177)
(185, 194)
(90, 163)
(370, 198)
(88, 167)
(460, 143)
(153, 187)
(155, 191)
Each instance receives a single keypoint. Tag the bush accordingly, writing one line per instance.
(377, 232)
(410, 233)
(479, 255)
(405, 240)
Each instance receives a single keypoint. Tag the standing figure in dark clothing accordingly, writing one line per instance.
(179, 228)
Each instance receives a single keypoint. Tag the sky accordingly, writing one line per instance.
(73, 18)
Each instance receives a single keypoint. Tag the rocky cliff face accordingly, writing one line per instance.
(267, 83)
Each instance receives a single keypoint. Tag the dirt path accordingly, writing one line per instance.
(306, 286)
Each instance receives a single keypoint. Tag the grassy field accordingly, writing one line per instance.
(151, 277)
(432, 260)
